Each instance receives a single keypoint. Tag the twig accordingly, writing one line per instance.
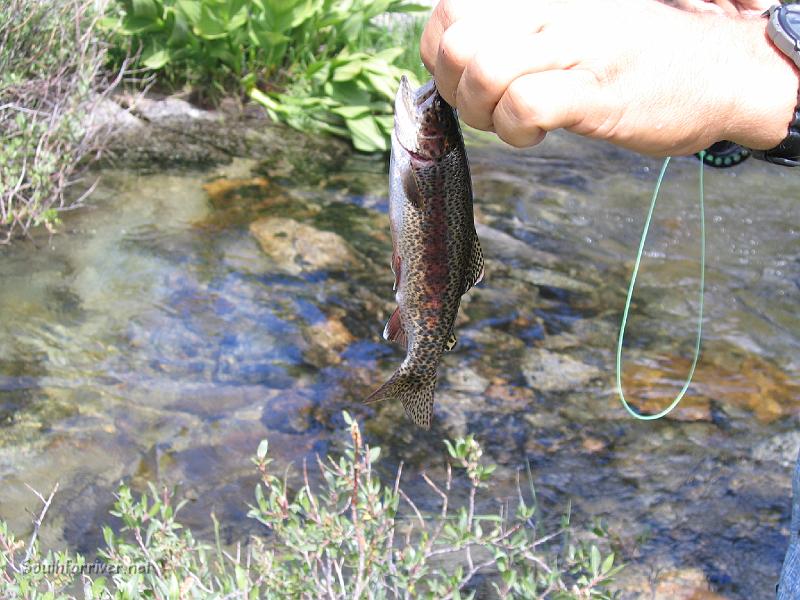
(138, 535)
(414, 507)
(37, 523)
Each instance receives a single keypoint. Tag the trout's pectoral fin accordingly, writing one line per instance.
(411, 189)
(475, 267)
(396, 266)
(394, 331)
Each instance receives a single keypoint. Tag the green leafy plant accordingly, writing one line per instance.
(50, 60)
(349, 536)
(318, 65)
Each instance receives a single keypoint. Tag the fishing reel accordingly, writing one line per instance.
(724, 154)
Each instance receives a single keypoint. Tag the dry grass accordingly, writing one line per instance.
(51, 79)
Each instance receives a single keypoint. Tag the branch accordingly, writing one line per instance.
(37, 523)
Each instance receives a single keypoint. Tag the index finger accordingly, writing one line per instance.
(445, 14)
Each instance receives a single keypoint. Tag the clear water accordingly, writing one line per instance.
(154, 339)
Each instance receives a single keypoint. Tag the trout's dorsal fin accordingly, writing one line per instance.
(474, 272)
(394, 331)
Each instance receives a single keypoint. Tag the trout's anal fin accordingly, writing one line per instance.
(475, 267)
(394, 331)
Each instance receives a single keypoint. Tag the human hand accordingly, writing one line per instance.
(637, 73)
(745, 8)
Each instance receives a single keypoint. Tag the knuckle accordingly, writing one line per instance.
(448, 10)
(478, 120)
(450, 45)
(513, 140)
(478, 75)
(518, 105)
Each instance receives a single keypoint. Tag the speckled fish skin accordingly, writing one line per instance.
(436, 254)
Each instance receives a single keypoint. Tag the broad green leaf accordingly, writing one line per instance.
(237, 20)
(348, 71)
(302, 12)
(148, 9)
(386, 123)
(352, 26)
(108, 23)
(607, 564)
(346, 93)
(155, 58)
(389, 55)
(209, 26)
(351, 112)
(375, 8)
(179, 36)
(190, 9)
(408, 8)
(262, 32)
(594, 557)
(366, 134)
(135, 25)
(98, 585)
(385, 85)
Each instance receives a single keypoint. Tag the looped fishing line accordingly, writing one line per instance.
(630, 296)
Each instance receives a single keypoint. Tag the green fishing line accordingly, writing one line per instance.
(633, 284)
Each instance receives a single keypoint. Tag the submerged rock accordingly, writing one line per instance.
(781, 448)
(548, 371)
(465, 379)
(225, 191)
(296, 247)
(676, 584)
(502, 246)
(747, 385)
(327, 339)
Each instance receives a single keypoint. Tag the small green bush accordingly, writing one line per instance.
(318, 65)
(50, 56)
(350, 537)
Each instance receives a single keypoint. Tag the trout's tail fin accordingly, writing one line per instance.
(414, 392)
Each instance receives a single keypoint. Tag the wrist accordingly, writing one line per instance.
(764, 83)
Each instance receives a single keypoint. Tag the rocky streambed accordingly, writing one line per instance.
(230, 282)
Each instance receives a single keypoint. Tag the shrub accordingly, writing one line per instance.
(349, 537)
(318, 65)
(50, 57)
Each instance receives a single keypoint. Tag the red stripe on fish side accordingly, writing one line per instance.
(435, 254)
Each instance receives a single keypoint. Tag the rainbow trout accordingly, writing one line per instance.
(436, 255)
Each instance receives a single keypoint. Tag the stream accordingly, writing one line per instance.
(185, 315)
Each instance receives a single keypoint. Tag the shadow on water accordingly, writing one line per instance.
(186, 316)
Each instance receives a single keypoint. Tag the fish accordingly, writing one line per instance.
(436, 254)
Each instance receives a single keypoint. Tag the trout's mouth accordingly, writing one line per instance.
(411, 108)
(423, 97)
